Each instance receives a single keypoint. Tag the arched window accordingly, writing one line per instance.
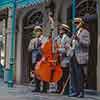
(36, 18)
(86, 8)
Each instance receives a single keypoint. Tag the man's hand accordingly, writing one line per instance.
(77, 38)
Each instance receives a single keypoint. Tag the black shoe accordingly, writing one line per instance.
(36, 90)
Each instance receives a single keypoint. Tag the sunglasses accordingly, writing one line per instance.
(38, 30)
(76, 23)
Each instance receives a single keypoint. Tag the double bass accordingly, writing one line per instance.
(48, 69)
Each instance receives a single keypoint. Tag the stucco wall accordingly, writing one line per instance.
(98, 58)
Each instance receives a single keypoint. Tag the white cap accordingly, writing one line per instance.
(66, 27)
(37, 28)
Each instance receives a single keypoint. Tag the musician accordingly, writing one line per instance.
(63, 41)
(80, 58)
(35, 46)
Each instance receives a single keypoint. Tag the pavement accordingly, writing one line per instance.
(22, 92)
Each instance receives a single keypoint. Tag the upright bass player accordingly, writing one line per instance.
(35, 46)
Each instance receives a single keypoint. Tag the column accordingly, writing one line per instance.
(19, 53)
(8, 46)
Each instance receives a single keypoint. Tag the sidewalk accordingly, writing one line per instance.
(20, 92)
